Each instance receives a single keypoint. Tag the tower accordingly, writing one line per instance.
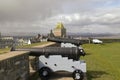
(59, 31)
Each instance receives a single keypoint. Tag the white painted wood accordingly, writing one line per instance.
(59, 63)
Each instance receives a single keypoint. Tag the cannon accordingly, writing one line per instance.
(75, 42)
(54, 59)
(72, 53)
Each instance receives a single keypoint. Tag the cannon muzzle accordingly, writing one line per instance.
(71, 53)
(65, 40)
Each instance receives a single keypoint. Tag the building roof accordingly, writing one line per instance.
(59, 26)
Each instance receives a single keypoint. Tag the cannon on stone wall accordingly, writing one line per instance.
(65, 40)
(52, 59)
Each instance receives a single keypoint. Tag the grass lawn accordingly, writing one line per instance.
(103, 61)
(5, 50)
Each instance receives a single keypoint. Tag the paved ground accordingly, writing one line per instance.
(62, 76)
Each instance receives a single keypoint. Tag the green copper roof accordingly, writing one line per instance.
(59, 26)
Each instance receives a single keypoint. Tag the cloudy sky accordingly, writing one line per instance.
(78, 16)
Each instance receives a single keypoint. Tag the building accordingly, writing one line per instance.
(7, 38)
(6, 42)
(0, 35)
(59, 31)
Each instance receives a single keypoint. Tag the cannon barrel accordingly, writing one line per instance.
(71, 53)
(65, 40)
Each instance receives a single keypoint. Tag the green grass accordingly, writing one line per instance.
(103, 61)
(5, 50)
(34, 44)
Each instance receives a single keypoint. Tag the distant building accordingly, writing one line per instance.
(0, 35)
(59, 31)
(51, 34)
(22, 41)
(29, 42)
(7, 38)
(36, 39)
(6, 42)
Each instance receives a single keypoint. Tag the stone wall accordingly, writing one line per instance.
(16, 67)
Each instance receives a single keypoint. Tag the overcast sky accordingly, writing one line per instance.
(78, 16)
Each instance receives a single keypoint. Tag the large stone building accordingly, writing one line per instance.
(59, 31)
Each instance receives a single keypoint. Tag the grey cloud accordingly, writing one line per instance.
(42, 15)
(22, 9)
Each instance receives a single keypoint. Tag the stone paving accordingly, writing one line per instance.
(62, 76)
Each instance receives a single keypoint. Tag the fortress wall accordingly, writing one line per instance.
(14, 66)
